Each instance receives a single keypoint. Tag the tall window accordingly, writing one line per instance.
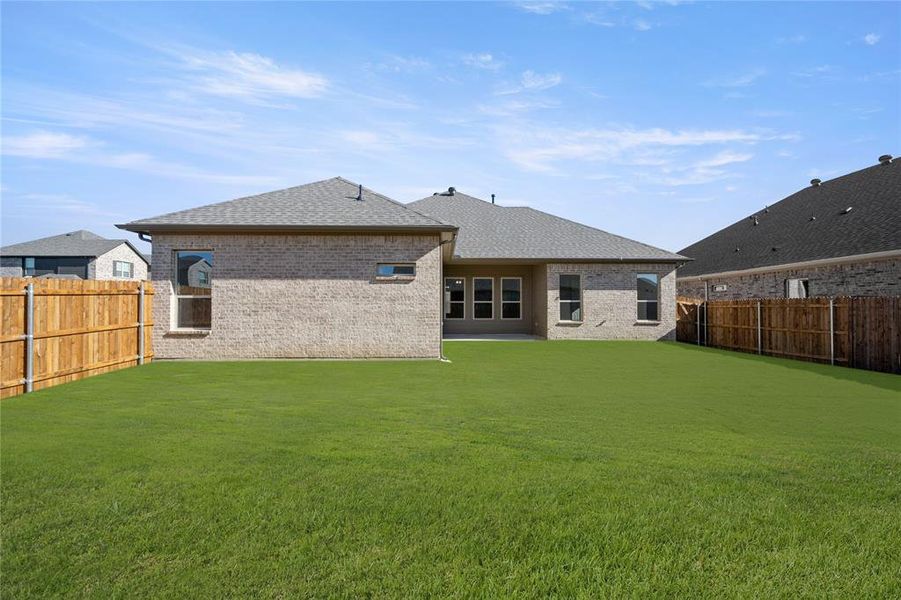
(570, 298)
(482, 298)
(124, 269)
(29, 266)
(454, 298)
(511, 298)
(648, 287)
(193, 289)
(797, 288)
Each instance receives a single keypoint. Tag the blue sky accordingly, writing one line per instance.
(659, 121)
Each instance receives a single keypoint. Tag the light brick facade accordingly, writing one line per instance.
(864, 278)
(609, 302)
(305, 296)
(102, 266)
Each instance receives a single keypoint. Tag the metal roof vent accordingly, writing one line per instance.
(756, 220)
(847, 210)
(885, 159)
(815, 182)
(451, 191)
(360, 193)
(812, 219)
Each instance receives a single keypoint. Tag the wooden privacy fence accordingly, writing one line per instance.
(860, 332)
(59, 330)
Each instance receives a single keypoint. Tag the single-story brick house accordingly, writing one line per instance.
(332, 269)
(840, 237)
(79, 254)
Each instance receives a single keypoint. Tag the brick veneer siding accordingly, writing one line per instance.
(10, 266)
(305, 296)
(102, 266)
(865, 278)
(610, 302)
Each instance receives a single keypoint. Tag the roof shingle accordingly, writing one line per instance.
(74, 243)
(809, 225)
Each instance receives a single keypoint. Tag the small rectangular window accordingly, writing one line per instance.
(797, 288)
(454, 298)
(648, 300)
(571, 298)
(193, 289)
(482, 298)
(29, 266)
(396, 270)
(123, 269)
(511, 298)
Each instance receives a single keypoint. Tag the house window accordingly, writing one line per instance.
(193, 289)
(570, 298)
(511, 298)
(395, 270)
(797, 288)
(123, 269)
(482, 298)
(648, 299)
(454, 298)
(29, 266)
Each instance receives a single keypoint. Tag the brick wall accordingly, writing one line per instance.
(609, 302)
(865, 278)
(11, 266)
(305, 296)
(102, 266)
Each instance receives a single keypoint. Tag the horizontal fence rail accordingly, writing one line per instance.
(59, 330)
(859, 332)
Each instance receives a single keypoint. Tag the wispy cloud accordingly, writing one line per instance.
(403, 64)
(871, 39)
(42, 144)
(541, 8)
(244, 75)
(54, 204)
(727, 157)
(641, 25)
(483, 60)
(824, 72)
(742, 80)
(530, 81)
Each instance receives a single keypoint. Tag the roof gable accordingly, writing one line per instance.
(810, 224)
(74, 243)
(331, 203)
(490, 231)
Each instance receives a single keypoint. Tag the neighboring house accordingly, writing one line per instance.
(840, 237)
(80, 254)
(331, 269)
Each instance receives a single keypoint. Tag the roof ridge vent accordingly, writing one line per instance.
(815, 182)
(885, 159)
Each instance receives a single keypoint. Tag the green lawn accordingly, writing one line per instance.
(520, 469)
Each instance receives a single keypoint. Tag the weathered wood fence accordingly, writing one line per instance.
(859, 332)
(59, 330)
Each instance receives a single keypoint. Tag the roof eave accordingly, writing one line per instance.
(151, 228)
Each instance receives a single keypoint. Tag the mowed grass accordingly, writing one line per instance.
(520, 469)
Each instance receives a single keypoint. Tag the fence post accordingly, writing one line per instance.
(759, 344)
(706, 317)
(831, 332)
(29, 337)
(141, 323)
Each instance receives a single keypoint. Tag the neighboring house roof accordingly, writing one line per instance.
(328, 204)
(810, 225)
(490, 231)
(74, 243)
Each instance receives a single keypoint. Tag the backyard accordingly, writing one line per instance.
(520, 468)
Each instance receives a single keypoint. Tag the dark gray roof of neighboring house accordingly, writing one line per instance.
(74, 243)
(872, 225)
(491, 231)
(327, 204)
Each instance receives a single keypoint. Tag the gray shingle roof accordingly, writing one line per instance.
(74, 243)
(331, 203)
(872, 225)
(490, 231)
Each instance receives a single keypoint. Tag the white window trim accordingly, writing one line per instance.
(395, 277)
(463, 302)
(800, 280)
(581, 299)
(503, 318)
(173, 316)
(131, 269)
(474, 301)
(657, 301)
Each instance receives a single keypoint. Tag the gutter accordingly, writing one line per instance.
(808, 264)
(148, 229)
